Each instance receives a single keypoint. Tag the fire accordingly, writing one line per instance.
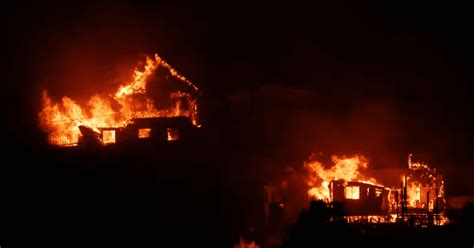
(61, 120)
(172, 134)
(425, 187)
(346, 168)
(420, 200)
(413, 194)
(244, 244)
(144, 133)
(109, 137)
(391, 218)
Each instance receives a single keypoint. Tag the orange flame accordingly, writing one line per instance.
(244, 244)
(62, 120)
(423, 183)
(424, 187)
(346, 168)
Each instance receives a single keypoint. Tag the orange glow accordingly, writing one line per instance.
(243, 244)
(346, 168)
(422, 185)
(108, 136)
(144, 133)
(352, 192)
(391, 218)
(424, 189)
(173, 134)
(443, 220)
(114, 109)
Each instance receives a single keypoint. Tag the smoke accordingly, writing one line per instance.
(284, 121)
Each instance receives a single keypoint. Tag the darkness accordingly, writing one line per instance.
(279, 81)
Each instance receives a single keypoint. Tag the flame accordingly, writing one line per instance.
(346, 168)
(172, 134)
(424, 188)
(109, 137)
(61, 120)
(422, 185)
(244, 244)
(144, 133)
(391, 218)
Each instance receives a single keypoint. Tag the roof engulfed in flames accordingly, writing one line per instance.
(62, 120)
(346, 168)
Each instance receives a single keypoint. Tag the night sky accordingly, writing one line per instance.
(278, 80)
(383, 78)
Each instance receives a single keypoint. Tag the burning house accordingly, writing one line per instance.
(419, 200)
(360, 198)
(128, 112)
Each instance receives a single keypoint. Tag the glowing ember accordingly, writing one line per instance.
(346, 168)
(391, 218)
(108, 137)
(61, 120)
(244, 244)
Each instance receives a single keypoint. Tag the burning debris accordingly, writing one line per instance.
(103, 114)
(422, 195)
(424, 183)
(246, 244)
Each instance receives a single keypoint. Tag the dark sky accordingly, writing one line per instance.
(415, 58)
(280, 80)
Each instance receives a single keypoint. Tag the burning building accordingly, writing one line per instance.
(422, 197)
(117, 115)
(360, 198)
(419, 200)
